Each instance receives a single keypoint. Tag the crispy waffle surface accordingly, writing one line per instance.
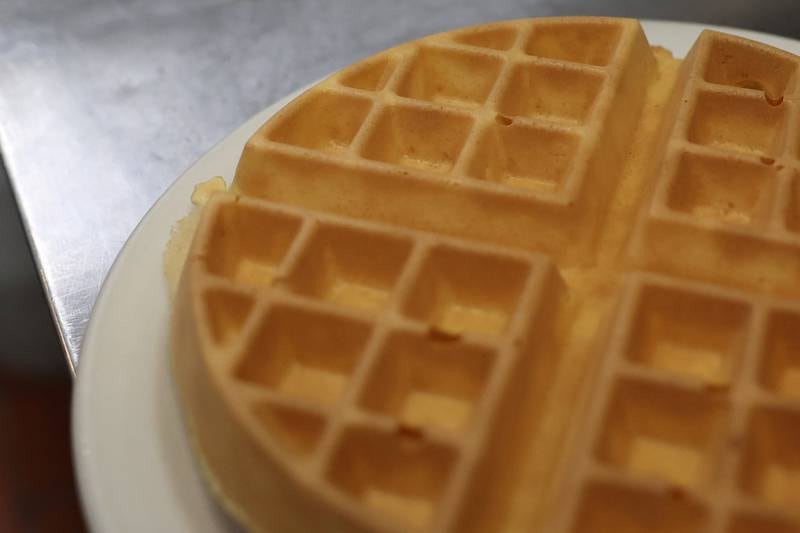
(527, 276)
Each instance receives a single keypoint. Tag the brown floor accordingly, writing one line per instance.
(37, 484)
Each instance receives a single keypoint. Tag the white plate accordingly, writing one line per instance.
(135, 469)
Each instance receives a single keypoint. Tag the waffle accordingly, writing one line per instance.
(528, 276)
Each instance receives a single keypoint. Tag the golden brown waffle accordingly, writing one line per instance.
(528, 276)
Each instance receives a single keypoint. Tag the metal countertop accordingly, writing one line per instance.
(103, 103)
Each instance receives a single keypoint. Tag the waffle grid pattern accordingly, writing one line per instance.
(731, 171)
(696, 414)
(691, 421)
(457, 109)
(334, 370)
(434, 125)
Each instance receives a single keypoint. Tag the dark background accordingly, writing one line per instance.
(37, 488)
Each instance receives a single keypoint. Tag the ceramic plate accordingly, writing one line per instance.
(135, 468)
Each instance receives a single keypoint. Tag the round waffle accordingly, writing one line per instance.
(527, 276)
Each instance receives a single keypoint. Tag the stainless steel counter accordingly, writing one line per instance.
(103, 103)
